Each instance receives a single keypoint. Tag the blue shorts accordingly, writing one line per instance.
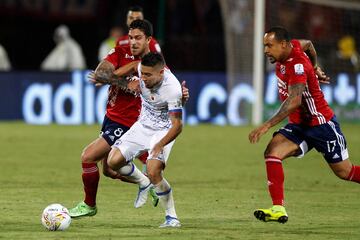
(112, 131)
(325, 138)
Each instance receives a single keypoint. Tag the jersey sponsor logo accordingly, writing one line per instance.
(129, 56)
(299, 69)
(336, 156)
(282, 69)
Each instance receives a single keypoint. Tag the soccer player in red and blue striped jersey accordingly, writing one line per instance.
(312, 123)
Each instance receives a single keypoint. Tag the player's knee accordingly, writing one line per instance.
(115, 159)
(269, 152)
(154, 176)
(111, 161)
(86, 157)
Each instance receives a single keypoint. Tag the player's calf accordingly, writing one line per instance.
(345, 170)
(354, 174)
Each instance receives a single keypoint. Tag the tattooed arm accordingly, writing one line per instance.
(127, 69)
(308, 47)
(104, 74)
(292, 102)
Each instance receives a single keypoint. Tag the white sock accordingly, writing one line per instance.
(164, 192)
(132, 172)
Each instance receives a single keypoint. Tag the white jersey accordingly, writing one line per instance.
(159, 101)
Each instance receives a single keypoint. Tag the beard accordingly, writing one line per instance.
(272, 59)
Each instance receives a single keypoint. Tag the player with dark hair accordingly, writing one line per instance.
(135, 13)
(159, 124)
(122, 110)
(312, 123)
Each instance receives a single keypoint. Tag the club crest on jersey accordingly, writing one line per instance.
(299, 69)
(282, 69)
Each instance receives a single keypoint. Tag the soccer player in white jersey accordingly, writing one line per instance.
(160, 122)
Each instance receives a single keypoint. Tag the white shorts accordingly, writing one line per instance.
(139, 139)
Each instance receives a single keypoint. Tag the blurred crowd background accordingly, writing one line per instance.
(191, 32)
(334, 28)
(208, 43)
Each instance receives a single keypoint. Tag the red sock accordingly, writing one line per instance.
(90, 177)
(275, 175)
(354, 175)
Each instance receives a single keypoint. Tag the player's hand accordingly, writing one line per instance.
(185, 93)
(322, 76)
(256, 134)
(156, 150)
(134, 85)
(92, 78)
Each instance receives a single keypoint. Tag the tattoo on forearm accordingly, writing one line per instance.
(289, 105)
(104, 74)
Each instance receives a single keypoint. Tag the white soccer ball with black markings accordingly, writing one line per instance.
(55, 217)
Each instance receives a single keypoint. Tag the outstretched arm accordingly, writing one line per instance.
(288, 106)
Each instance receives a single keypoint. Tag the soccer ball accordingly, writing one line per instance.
(55, 217)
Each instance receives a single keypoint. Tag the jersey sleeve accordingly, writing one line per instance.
(114, 56)
(175, 102)
(154, 46)
(296, 43)
(298, 73)
(122, 41)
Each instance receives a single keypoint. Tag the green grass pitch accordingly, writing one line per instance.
(218, 180)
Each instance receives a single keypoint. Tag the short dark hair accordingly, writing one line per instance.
(152, 59)
(135, 8)
(280, 33)
(143, 25)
